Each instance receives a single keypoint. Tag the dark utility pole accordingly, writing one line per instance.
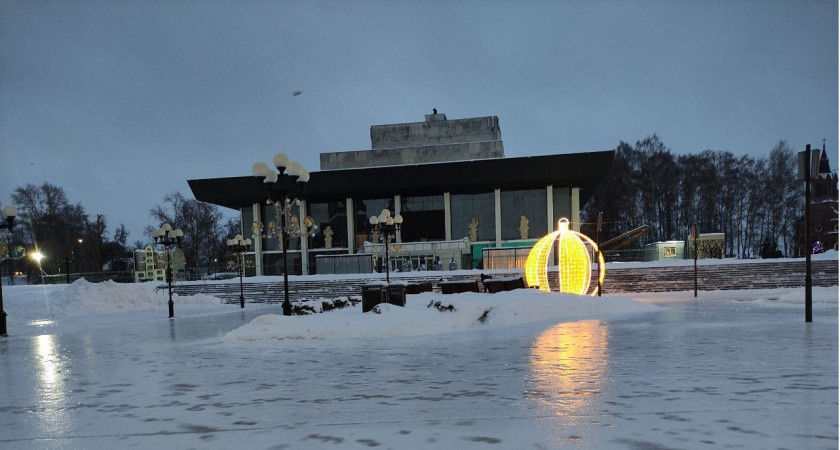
(808, 163)
(67, 268)
(694, 242)
(598, 244)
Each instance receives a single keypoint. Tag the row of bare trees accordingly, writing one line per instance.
(82, 243)
(751, 200)
(50, 223)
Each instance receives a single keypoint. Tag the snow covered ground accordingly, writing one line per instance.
(100, 366)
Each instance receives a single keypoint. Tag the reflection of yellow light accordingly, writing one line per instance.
(573, 256)
(46, 350)
(568, 366)
(53, 417)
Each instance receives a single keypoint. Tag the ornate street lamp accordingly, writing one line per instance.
(9, 214)
(168, 238)
(285, 189)
(386, 224)
(239, 246)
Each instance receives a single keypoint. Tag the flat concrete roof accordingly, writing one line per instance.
(583, 170)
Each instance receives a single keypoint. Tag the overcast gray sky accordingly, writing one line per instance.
(121, 102)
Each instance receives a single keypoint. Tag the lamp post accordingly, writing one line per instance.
(808, 169)
(67, 262)
(284, 189)
(693, 231)
(386, 224)
(239, 246)
(598, 228)
(168, 238)
(79, 266)
(9, 214)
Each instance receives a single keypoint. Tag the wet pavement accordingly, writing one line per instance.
(697, 374)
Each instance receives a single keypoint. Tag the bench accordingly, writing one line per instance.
(456, 287)
(493, 285)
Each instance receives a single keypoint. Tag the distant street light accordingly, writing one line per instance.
(38, 256)
(168, 238)
(9, 214)
(386, 224)
(239, 246)
(284, 189)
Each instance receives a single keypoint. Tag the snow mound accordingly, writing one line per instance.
(84, 297)
(420, 316)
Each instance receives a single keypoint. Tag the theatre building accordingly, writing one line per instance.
(450, 181)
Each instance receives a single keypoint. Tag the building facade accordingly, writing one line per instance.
(824, 212)
(449, 179)
(150, 264)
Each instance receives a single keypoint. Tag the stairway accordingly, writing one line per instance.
(757, 275)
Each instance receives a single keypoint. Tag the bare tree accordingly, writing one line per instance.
(748, 199)
(204, 231)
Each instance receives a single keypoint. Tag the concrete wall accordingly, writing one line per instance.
(435, 140)
(412, 155)
(435, 132)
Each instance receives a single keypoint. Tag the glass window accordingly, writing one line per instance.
(466, 207)
(670, 252)
(269, 215)
(364, 208)
(424, 218)
(273, 263)
(524, 214)
(247, 221)
(562, 205)
(331, 218)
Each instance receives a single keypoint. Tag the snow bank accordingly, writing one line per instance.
(83, 297)
(471, 310)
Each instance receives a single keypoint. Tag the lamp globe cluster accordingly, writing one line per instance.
(167, 236)
(285, 166)
(9, 214)
(238, 243)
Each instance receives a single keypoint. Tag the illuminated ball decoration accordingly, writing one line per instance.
(575, 266)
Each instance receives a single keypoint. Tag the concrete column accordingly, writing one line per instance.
(258, 250)
(304, 241)
(351, 233)
(549, 198)
(575, 202)
(447, 216)
(498, 202)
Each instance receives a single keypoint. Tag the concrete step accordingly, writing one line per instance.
(767, 275)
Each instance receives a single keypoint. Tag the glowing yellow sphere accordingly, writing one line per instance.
(575, 266)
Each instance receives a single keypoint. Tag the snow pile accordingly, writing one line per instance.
(83, 297)
(421, 317)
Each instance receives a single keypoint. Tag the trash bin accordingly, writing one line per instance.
(372, 295)
(396, 294)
